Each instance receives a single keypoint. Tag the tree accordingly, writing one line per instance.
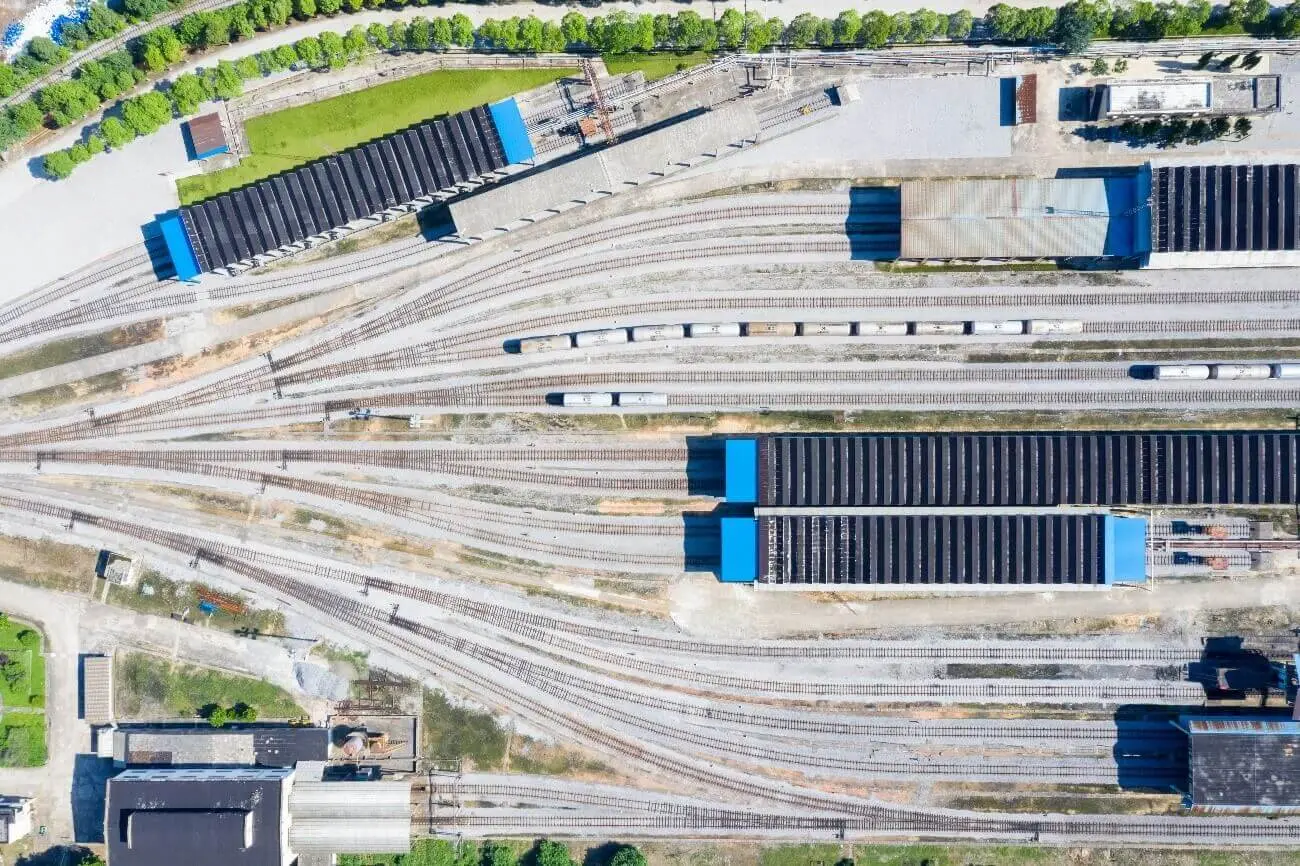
(1288, 23)
(531, 37)
(143, 10)
(826, 33)
(803, 29)
(356, 44)
(286, 55)
(1075, 28)
(248, 68)
(497, 854)
(462, 30)
(628, 855)
(147, 113)
(900, 26)
(304, 9)
(58, 164)
(225, 81)
(46, 51)
(25, 117)
(1257, 12)
(1220, 126)
(242, 712)
(66, 101)
(187, 94)
(329, 7)
(310, 51)
(574, 27)
(876, 30)
(1099, 67)
(79, 153)
(1121, 66)
(1242, 127)
(731, 28)
(1003, 22)
(551, 853)
(218, 717)
(960, 24)
(96, 145)
(377, 34)
(926, 25)
(116, 133)
(1199, 131)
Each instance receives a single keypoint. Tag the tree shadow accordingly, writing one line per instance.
(61, 855)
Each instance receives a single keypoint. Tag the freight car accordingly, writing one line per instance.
(713, 329)
(1242, 371)
(927, 329)
(1182, 371)
(587, 398)
(882, 329)
(826, 329)
(642, 398)
(606, 337)
(1227, 371)
(772, 329)
(651, 333)
(1041, 327)
(1008, 326)
(545, 344)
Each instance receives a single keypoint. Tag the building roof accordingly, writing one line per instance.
(1244, 764)
(97, 689)
(267, 746)
(873, 470)
(207, 135)
(1018, 218)
(344, 816)
(1166, 96)
(197, 817)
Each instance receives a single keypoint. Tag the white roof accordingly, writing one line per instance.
(1157, 97)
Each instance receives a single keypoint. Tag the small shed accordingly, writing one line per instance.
(15, 818)
(97, 689)
(207, 136)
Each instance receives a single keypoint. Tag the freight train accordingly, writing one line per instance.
(1196, 372)
(704, 330)
(624, 398)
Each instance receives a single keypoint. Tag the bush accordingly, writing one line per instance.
(58, 164)
(628, 855)
(116, 133)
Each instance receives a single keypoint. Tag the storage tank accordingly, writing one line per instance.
(642, 398)
(937, 328)
(1055, 326)
(1007, 326)
(650, 333)
(1182, 371)
(545, 344)
(588, 398)
(882, 329)
(772, 329)
(1242, 371)
(713, 329)
(826, 329)
(608, 337)
(1286, 371)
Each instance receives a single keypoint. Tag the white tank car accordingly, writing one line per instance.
(608, 337)
(1286, 371)
(642, 398)
(1242, 371)
(545, 344)
(772, 329)
(927, 329)
(713, 329)
(1182, 371)
(826, 329)
(1008, 326)
(588, 398)
(1055, 326)
(650, 333)
(882, 329)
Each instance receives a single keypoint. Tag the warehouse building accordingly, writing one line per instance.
(1243, 765)
(934, 551)
(256, 745)
(1223, 95)
(1024, 218)
(1224, 215)
(1014, 469)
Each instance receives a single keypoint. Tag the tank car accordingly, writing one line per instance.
(545, 344)
(713, 329)
(1286, 371)
(772, 329)
(1055, 326)
(1242, 371)
(587, 398)
(607, 337)
(642, 398)
(882, 329)
(1182, 371)
(1007, 326)
(650, 333)
(928, 329)
(825, 329)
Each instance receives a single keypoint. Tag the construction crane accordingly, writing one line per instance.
(598, 99)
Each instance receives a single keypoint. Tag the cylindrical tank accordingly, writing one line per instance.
(1242, 371)
(588, 398)
(1055, 326)
(642, 398)
(826, 329)
(650, 333)
(1182, 371)
(713, 329)
(355, 745)
(608, 337)
(938, 328)
(1286, 371)
(882, 329)
(1008, 326)
(772, 329)
(545, 344)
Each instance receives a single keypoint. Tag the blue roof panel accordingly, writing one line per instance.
(742, 470)
(178, 247)
(514, 135)
(1125, 549)
(739, 550)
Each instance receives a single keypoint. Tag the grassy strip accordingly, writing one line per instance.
(144, 683)
(22, 740)
(286, 139)
(27, 690)
(655, 66)
(79, 348)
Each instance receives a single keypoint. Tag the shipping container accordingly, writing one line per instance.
(882, 329)
(545, 344)
(650, 333)
(713, 329)
(608, 337)
(772, 329)
(588, 398)
(826, 329)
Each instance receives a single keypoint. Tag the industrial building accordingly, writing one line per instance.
(1224, 215)
(254, 745)
(1220, 95)
(1243, 765)
(1024, 218)
(442, 156)
(207, 136)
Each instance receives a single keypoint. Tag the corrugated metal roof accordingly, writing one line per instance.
(349, 816)
(342, 835)
(97, 689)
(1004, 238)
(1002, 198)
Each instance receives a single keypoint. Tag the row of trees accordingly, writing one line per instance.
(219, 716)
(1170, 133)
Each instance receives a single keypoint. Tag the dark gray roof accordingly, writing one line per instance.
(1213, 208)
(195, 817)
(1029, 469)
(284, 747)
(1244, 764)
(931, 549)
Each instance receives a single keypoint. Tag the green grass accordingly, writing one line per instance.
(79, 348)
(146, 685)
(29, 689)
(285, 139)
(160, 596)
(655, 66)
(22, 740)
(455, 732)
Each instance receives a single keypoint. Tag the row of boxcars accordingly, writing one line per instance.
(1227, 371)
(624, 398)
(652, 333)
